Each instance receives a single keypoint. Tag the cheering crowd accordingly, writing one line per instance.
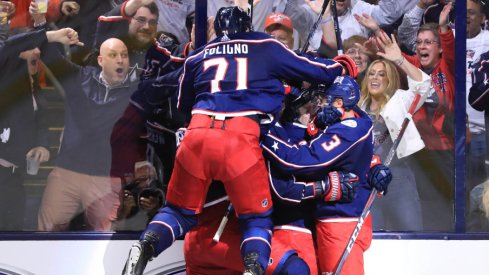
(269, 124)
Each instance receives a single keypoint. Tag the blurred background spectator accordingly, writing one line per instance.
(22, 119)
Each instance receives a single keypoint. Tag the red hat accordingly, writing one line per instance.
(279, 19)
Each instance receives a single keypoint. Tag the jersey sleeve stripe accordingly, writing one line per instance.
(168, 53)
(167, 226)
(326, 163)
(110, 18)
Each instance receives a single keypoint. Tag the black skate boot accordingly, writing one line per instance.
(139, 255)
(252, 267)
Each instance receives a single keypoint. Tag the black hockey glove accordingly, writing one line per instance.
(327, 116)
(337, 187)
(379, 177)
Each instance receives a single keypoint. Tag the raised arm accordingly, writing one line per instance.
(386, 12)
(410, 24)
(328, 29)
(447, 38)
(66, 36)
(133, 5)
(392, 52)
(302, 16)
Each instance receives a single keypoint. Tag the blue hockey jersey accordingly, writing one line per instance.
(242, 75)
(345, 146)
(293, 198)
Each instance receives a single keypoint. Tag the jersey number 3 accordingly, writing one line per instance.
(333, 143)
(222, 68)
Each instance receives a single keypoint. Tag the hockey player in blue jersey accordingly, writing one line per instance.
(344, 146)
(228, 102)
(294, 201)
(295, 197)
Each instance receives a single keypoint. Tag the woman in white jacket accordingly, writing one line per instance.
(387, 105)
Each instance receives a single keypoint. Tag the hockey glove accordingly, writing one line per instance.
(337, 187)
(478, 95)
(348, 64)
(327, 116)
(379, 177)
(161, 58)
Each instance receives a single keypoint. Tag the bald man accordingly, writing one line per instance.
(95, 99)
(114, 61)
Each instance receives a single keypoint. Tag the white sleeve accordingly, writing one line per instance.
(409, 27)
(420, 87)
(396, 110)
(385, 13)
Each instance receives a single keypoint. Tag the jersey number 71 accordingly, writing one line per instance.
(222, 67)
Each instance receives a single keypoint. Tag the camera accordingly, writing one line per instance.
(140, 189)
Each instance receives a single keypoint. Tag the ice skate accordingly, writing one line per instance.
(139, 255)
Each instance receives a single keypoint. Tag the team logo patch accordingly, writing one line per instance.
(5, 135)
(264, 203)
(350, 123)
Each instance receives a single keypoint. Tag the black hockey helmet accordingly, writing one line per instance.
(231, 20)
(295, 99)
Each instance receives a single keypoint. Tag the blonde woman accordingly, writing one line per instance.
(387, 105)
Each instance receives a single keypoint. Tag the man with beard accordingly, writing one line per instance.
(134, 22)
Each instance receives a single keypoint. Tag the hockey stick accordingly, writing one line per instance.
(223, 223)
(315, 26)
(373, 194)
(339, 43)
(250, 11)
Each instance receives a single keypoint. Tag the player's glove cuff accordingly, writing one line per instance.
(347, 63)
(340, 187)
(332, 187)
(318, 189)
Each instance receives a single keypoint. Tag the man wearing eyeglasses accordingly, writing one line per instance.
(134, 22)
(142, 27)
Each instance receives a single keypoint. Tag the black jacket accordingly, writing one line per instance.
(17, 113)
